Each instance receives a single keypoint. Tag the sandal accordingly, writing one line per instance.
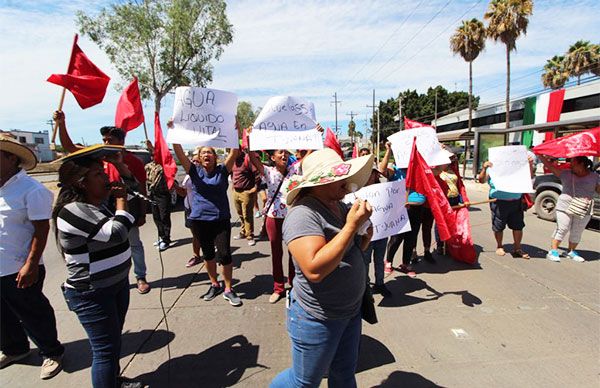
(408, 271)
(520, 253)
(195, 260)
(500, 251)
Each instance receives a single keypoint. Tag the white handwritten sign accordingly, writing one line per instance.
(510, 170)
(204, 117)
(427, 143)
(388, 201)
(286, 122)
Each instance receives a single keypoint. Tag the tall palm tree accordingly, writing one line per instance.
(507, 20)
(469, 40)
(555, 73)
(580, 58)
(596, 59)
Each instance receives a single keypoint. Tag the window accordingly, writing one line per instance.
(581, 103)
(22, 139)
(39, 140)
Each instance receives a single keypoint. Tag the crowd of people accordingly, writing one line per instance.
(96, 220)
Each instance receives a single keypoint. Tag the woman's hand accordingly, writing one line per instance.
(117, 189)
(358, 214)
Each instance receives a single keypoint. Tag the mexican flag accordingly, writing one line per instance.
(544, 108)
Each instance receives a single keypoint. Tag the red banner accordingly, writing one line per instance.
(162, 155)
(331, 141)
(585, 143)
(130, 114)
(408, 124)
(460, 245)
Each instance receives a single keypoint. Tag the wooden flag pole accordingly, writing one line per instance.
(474, 203)
(62, 98)
(145, 130)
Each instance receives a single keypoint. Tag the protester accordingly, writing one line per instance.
(94, 243)
(507, 209)
(210, 216)
(364, 152)
(276, 179)
(575, 204)
(25, 211)
(243, 178)
(159, 193)
(129, 170)
(414, 204)
(324, 320)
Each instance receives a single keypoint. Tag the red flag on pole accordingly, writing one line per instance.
(130, 114)
(420, 178)
(331, 141)
(162, 155)
(84, 79)
(408, 124)
(460, 245)
(585, 143)
(355, 151)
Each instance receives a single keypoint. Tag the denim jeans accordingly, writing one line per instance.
(377, 250)
(318, 348)
(102, 313)
(26, 311)
(137, 253)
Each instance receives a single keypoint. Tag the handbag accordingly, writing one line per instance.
(579, 206)
(367, 309)
(526, 201)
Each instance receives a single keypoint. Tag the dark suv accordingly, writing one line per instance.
(547, 189)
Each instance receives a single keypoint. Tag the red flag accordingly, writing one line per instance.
(420, 178)
(355, 151)
(331, 141)
(460, 245)
(87, 83)
(585, 143)
(408, 124)
(162, 155)
(130, 114)
(245, 143)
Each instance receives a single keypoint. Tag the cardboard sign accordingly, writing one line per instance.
(204, 117)
(388, 201)
(427, 143)
(286, 123)
(510, 169)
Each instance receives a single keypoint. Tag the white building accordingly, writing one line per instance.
(38, 142)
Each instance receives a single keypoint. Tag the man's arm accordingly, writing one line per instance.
(483, 175)
(28, 274)
(65, 139)
(383, 165)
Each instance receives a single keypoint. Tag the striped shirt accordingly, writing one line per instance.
(95, 245)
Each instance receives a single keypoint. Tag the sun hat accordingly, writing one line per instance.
(326, 166)
(97, 151)
(26, 156)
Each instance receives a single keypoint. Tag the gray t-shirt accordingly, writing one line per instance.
(339, 295)
(584, 186)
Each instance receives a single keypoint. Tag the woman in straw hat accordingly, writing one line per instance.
(25, 209)
(324, 320)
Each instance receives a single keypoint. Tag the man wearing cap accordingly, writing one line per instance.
(132, 171)
(25, 211)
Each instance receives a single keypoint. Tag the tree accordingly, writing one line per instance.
(165, 43)
(596, 59)
(555, 73)
(469, 41)
(245, 114)
(507, 20)
(579, 59)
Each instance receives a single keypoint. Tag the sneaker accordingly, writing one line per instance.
(193, 261)
(388, 267)
(157, 242)
(163, 246)
(258, 214)
(275, 297)
(251, 242)
(239, 237)
(51, 367)
(129, 383)
(573, 255)
(6, 360)
(232, 297)
(428, 257)
(553, 255)
(212, 292)
(381, 289)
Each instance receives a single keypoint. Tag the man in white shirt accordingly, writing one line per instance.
(25, 212)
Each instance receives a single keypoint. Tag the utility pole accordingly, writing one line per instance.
(400, 121)
(435, 114)
(378, 131)
(352, 114)
(336, 102)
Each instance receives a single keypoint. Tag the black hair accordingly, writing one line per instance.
(365, 149)
(585, 161)
(113, 131)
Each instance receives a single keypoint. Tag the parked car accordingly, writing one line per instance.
(547, 189)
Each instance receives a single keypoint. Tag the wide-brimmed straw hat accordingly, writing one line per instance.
(326, 166)
(25, 155)
(97, 151)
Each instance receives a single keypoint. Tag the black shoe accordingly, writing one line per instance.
(381, 289)
(129, 383)
(212, 292)
(428, 257)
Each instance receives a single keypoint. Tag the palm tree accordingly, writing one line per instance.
(596, 59)
(469, 41)
(580, 58)
(507, 20)
(555, 73)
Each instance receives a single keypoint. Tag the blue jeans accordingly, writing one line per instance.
(377, 249)
(137, 253)
(102, 313)
(320, 347)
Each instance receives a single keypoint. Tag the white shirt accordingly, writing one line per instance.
(272, 177)
(22, 200)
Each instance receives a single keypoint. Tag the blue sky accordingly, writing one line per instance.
(309, 49)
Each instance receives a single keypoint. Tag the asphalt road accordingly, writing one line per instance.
(504, 323)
